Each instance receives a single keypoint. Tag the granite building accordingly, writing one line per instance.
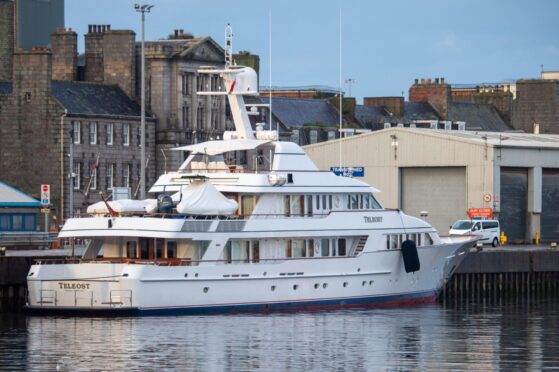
(536, 107)
(172, 83)
(44, 111)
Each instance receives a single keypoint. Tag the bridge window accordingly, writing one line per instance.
(171, 249)
(131, 249)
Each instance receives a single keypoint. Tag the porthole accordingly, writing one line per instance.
(186, 275)
(125, 274)
(295, 286)
(196, 275)
(345, 284)
(31, 274)
(363, 283)
(264, 273)
(371, 282)
(273, 288)
(324, 285)
(358, 269)
(316, 285)
(206, 289)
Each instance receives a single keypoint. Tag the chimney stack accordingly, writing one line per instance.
(7, 39)
(64, 54)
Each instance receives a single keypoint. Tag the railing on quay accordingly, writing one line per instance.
(27, 238)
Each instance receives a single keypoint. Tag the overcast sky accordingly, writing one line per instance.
(386, 44)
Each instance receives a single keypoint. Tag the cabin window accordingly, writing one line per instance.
(354, 201)
(330, 201)
(144, 249)
(159, 243)
(298, 248)
(255, 251)
(341, 247)
(287, 205)
(367, 202)
(247, 204)
(374, 203)
(324, 202)
(317, 202)
(308, 205)
(310, 248)
(240, 251)
(131, 249)
(297, 205)
(427, 239)
(325, 247)
(171, 249)
(227, 252)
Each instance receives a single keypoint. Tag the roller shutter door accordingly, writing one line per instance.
(514, 203)
(550, 205)
(441, 191)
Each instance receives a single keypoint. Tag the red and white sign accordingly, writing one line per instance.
(45, 194)
(480, 213)
(487, 198)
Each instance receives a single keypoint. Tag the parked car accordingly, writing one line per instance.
(489, 230)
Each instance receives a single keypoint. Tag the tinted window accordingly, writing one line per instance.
(171, 249)
(341, 247)
(325, 247)
(490, 225)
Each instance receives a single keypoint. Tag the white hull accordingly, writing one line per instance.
(371, 278)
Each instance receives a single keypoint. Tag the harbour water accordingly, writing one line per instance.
(507, 335)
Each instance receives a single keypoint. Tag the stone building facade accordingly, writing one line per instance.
(44, 111)
(537, 102)
(7, 38)
(172, 83)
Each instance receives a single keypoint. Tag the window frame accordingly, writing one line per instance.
(92, 132)
(126, 134)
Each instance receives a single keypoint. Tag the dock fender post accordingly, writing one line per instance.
(410, 256)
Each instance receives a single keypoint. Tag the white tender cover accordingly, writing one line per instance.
(202, 198)
(124, 205)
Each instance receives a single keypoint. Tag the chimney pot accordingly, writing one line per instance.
(108, 27)
(436, 80)
(176, 33)
(89, 28)
(416, 81)
(442, 80)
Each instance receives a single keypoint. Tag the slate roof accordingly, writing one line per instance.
(368, 116)
(81, 98)
(5, 88)
(374, 117)
(477, 116)
(296, 112)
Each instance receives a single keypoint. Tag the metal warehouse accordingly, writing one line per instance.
(439, 174)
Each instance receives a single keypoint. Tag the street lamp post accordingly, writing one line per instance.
(143, 8)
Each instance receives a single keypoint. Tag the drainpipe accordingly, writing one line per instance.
(62, 117)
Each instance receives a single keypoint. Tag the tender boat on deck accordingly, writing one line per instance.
(246, 223)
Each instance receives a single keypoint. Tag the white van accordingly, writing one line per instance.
(489, 230)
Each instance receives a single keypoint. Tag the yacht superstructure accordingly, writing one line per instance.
(246, 222)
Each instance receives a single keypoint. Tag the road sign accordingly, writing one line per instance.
(480, 212)
(487, 198)
(45, 210)
(45, 194)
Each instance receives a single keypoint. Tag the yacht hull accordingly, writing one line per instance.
(370, 280)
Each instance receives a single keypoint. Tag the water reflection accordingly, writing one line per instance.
(473, 336)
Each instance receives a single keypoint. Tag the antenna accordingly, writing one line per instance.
(270, 69)
(340, 92)
(228, 46)
(350, 82)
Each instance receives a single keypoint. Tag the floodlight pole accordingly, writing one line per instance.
(143, 9)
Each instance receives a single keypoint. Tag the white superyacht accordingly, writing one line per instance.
(246, 223)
